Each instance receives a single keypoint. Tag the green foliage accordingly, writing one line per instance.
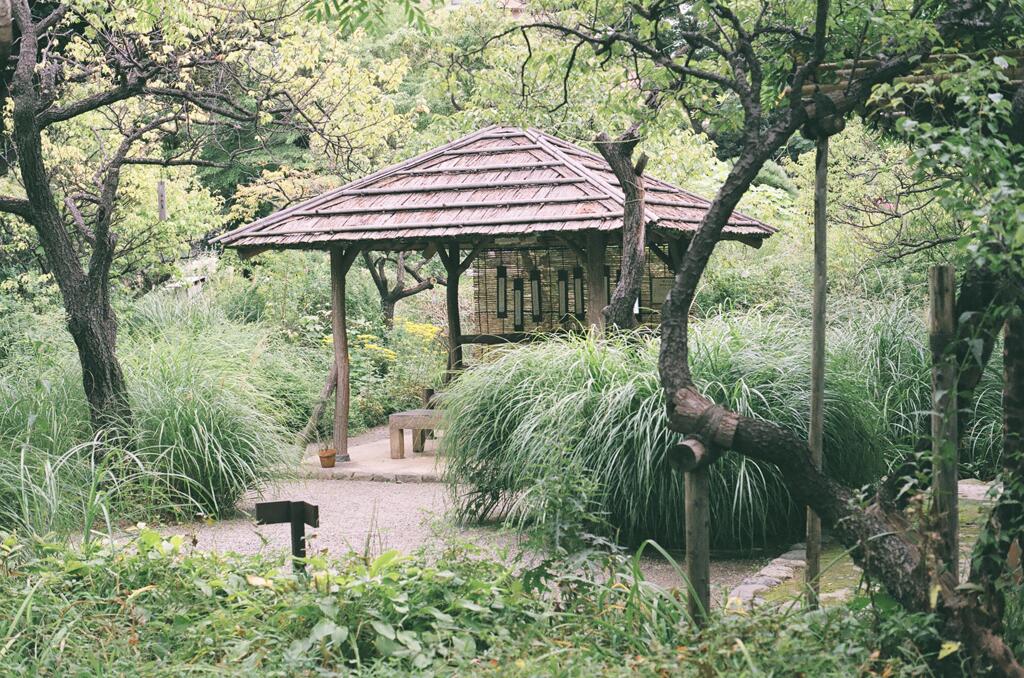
(151, 608)
(212, 402)
(594, 408)
(219, 385)
(289, 294)
(291, 291)
(389, 371)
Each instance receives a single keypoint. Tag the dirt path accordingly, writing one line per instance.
(374, 517)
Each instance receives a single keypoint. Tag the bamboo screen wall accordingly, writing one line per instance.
(526, 271)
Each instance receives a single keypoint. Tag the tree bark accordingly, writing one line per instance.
(93, 327)
(619, 156)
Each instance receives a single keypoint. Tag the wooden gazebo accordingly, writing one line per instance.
(541, 217)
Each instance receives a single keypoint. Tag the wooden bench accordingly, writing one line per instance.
(420, 421)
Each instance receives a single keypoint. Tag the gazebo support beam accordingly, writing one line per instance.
(597, 292)
(455, 266)
(341, 262)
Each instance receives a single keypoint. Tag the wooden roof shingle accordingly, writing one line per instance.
(496, 182)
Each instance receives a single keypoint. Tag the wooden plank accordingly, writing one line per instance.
(945, 452)
(341, 261)
(425, 419)
(698, 544)
(494, 150)
(427, 156)
(397, 442)
(815, 435)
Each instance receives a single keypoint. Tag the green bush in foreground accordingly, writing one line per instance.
(524, 427)
(150, 610)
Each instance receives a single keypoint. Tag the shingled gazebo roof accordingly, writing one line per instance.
(496, 183)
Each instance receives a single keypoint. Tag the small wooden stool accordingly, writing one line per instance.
(420, 421)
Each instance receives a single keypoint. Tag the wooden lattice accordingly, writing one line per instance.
(551, 263)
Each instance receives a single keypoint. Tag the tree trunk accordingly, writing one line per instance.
(619, 155)
(387, 310)
(86, 294)
(94, 330)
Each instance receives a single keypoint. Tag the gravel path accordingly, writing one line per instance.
(374, 517)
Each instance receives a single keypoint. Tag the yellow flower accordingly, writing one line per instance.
(382, 351)
(422, 331)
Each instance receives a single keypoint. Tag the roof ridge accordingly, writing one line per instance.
(542, 138)
(279, 215)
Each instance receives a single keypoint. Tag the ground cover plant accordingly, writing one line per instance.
(524, 427)
(151, 607)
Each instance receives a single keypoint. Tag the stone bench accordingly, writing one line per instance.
(420, 421)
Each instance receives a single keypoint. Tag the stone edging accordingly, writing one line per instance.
(781, 569)
(342, 474)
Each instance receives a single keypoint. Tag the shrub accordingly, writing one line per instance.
(595, 407)
(153, 609)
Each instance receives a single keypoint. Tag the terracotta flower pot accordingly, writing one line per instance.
(327, 458)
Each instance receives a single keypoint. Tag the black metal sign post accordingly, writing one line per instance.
(299, 514)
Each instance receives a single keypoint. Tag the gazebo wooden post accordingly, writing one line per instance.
(454, 267)
(815, 434)
(451, 265)
(597, 293)
(341, 261)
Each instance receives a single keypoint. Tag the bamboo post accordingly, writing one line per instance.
(815, 434)
(341, 261)
(597, 292)
(698, 544)
(945, 455)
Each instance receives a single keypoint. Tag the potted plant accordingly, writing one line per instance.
(327, 457)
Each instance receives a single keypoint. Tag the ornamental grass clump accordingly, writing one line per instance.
(594, 406)
(213, 403)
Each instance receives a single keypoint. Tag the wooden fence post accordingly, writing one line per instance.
(698, 543)
(945, 453)
(815, 433)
